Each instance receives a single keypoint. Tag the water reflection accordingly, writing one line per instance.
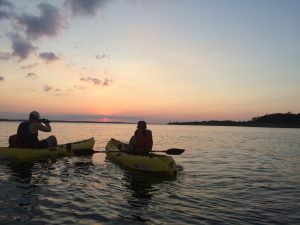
(73, 170)
(21, 191)
(231, 176)
(141, 189)
(38, 192)
(21, 172)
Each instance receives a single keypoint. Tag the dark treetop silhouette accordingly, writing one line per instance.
(269, 120)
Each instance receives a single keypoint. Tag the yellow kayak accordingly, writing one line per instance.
(162, 164)
(30, 154)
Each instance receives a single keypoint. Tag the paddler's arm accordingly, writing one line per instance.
(45, 126)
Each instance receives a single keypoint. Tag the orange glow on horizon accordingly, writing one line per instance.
(105, 120)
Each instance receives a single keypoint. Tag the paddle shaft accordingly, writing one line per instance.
(171, 151)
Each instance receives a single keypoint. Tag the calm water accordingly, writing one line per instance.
(230, 175)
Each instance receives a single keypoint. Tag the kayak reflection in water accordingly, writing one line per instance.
(141, 143)
(28, 132)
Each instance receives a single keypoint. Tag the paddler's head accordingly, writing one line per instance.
(34, 115)
(142, 125)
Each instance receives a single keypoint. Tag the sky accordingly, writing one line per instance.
(160, 60)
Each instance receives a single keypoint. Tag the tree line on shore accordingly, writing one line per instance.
(269, 120)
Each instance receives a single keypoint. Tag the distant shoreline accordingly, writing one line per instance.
(203, 123)
(238, 124)
(275, 120)
(63, 121)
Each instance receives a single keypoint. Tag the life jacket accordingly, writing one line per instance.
(143, 141)
(27, 138)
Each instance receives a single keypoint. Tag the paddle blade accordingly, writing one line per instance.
(174, 151)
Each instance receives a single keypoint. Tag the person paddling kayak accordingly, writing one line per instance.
(141, 143)
(28, 132)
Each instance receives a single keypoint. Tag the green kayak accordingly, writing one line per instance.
(29, 154)
(161, 164)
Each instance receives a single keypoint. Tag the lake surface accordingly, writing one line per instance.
(229, 175)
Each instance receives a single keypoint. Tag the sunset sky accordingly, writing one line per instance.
(157, 60)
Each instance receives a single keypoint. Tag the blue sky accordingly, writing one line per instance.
(161, 61)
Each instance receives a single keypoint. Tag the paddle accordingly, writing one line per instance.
(171, 151)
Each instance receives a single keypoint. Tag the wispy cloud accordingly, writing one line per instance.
(31, 76)
(107, 82)
(29, 66)
(48, 56)
(101, 56)
(79, 87)
(29, 27)
(5, 9)
(96, 81)
(1, 78)
(21, 47)
(5, 56)
(5, 4)
(48, 23)
(47, 88)
(84, 7)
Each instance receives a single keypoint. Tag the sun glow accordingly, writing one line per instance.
(105, 120)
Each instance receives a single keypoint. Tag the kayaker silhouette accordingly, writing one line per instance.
(141, 142)
(28, 132)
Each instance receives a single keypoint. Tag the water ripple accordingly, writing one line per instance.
(228, 176)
